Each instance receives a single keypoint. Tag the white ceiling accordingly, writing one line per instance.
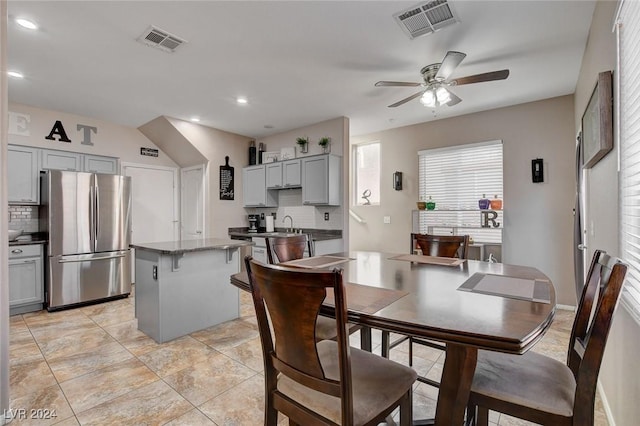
(297, 62)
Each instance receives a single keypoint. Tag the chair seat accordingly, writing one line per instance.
(326, 328)
(377, 383)
(532, 381)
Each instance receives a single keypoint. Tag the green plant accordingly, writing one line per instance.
(302, 141)
(324, 141)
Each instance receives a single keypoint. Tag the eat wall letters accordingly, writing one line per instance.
(58, 129)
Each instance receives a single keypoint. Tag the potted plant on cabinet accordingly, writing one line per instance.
(325, 143)
(303, 143)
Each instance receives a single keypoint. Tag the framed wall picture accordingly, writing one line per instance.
(270, 156)
(597, 122)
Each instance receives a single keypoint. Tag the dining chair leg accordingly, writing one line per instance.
(384, 347)
(482, 416)
(471, 415)
(365, 338)
(410, 352)
(406, 409)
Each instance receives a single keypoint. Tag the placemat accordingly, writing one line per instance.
(432, 260)
(366, 299)
(503, 286)
(316, 262)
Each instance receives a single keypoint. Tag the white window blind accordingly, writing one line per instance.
(629, 147)
(456, 178)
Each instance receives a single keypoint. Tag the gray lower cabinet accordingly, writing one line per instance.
(22, 171)
(26, 283)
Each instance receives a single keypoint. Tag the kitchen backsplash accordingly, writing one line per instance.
(310, 217)
(23, 217)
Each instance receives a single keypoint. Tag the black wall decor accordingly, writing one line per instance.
(397, 181)
(537, 170)
(58, 129)
(226, 180)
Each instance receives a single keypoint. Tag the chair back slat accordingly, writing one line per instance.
(284, 249)
(443, 245)
(292, 299)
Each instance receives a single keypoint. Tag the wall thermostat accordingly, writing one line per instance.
(537, 170)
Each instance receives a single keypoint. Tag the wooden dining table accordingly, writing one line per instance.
(500, 307)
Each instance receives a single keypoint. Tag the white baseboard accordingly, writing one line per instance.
(566, 307)
(605, 405)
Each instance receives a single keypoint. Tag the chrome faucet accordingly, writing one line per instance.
(291, 219)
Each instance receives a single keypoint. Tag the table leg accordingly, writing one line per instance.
(365, 338)
(459, 367)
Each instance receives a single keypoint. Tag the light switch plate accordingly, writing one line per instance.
(387, 219)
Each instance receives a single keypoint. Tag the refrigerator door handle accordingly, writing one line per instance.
(90, 257)
(97, 222)
(92, 217)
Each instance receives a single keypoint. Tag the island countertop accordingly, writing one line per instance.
(185, 246)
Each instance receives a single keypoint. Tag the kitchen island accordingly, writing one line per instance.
(183, 286)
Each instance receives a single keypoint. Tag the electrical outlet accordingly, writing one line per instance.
(387, 219)
(326, 216)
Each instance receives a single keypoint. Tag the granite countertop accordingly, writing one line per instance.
(180, 247)
(32, 238)
(316, 234)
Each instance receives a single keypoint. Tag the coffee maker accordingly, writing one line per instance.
(254, 222)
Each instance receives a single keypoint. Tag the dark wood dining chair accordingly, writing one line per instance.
(284, 249)
(322, 382)
(455, 246)
(543, 390)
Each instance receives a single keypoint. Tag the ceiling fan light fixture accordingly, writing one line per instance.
(442, 95)
(428, 98)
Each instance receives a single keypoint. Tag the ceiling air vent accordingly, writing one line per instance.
(163, 40)
(425, 18)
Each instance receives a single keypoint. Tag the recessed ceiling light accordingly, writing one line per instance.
(268, 126)
(26, 23)
(241, 100)
(195, 119)
(15, 74)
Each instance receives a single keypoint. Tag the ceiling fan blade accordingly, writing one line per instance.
(449, 63)
(478, 78)
(454, 99)
(405, 100)
(397, 84)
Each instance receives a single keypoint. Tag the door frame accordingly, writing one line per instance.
(203, 193)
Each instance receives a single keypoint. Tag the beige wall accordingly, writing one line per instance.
(538, 217)
(214, 145)
(111, 139)
(619, 384)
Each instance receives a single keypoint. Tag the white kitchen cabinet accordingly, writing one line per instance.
(26, 283)
(284, 174)
(100, 164)
(259, 250)
(61, 160)
(22, 175)
(321, 180)
(254, 185)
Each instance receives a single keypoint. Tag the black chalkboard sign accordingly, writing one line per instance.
(226, 180)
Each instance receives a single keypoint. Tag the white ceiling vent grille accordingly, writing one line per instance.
(425, 18)
(161, 39)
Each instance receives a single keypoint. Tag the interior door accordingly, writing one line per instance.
(192, 209)
(154, 195)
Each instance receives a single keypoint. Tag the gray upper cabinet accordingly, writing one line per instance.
(254, 185)
(64, 160)
(292, 173)
(321, 180)
(100, 164)
(61, 160)
(284, 174)
(22, 171)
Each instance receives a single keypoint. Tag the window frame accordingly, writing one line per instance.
(355, 201)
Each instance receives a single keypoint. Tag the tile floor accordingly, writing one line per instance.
(91, 366)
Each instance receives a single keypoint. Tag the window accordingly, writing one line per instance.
(456, 178)
(629, 149)
(367, 174)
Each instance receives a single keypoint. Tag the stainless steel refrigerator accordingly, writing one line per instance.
(87, 217)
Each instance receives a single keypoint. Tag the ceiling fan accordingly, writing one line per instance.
(436, 84)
